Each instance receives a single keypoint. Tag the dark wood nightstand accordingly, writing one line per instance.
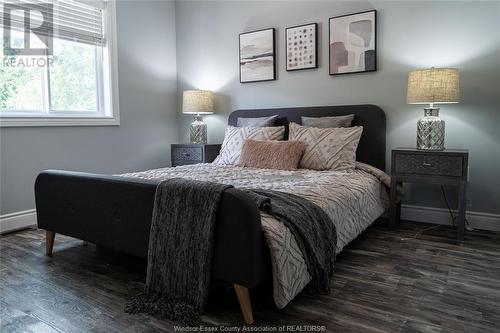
(443, 167)
(190, 153)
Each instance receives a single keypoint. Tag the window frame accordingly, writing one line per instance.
(107, 91)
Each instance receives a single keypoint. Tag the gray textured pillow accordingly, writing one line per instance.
(327, 148)
(328, 122)
(257, 122)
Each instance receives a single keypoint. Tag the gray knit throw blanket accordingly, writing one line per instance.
(180, 251)
(313, 230)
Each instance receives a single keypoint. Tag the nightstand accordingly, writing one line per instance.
(190, 153)
(443, 167)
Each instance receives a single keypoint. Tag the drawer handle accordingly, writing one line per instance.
(426, 164)
(186, 154)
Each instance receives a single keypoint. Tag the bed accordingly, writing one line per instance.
(115, 211)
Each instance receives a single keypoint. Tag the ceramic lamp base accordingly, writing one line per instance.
(198, 131)
(430, 131)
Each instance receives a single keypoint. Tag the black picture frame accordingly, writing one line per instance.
(374, 69)
(287, 60)
(273, 36)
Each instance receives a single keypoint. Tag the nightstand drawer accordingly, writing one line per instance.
(188, 154)
(423, 164)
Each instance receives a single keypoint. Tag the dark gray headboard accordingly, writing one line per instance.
(371, 149)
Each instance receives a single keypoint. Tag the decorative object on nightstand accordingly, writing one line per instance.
(446, 167)
(198, 102)
(183, 154)
(432, 86)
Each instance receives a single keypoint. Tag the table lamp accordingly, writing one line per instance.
(198, 102)
(432, 86)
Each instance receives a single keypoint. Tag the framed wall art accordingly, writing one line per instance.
(353, 43)
(257, 56)
(301, 45)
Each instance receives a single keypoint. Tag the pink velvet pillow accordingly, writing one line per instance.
(282, 155)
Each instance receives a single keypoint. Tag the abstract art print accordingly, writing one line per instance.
(301, 47)
(257, 56)
(353, 43)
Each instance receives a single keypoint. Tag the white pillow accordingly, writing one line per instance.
(327, 148)
(235, 136)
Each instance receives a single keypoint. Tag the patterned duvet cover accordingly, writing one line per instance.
(353, 199)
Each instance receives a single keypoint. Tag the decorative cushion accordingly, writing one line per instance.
(328, 122)
(235, 136)
(257, 122)
(281, 155)
(327, 148)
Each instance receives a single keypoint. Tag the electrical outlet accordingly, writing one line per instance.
(469, 203)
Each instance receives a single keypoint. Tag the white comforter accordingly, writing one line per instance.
(352, 199)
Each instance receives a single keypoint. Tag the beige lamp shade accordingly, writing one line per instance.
(198, 101)
(435, 85)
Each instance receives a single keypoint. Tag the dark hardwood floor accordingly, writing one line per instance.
(386, 281)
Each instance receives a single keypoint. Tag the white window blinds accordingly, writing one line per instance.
(80, 21)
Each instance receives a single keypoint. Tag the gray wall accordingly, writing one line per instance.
(148, 107)
(411, 35)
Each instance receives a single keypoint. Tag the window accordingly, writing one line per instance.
(72, 81)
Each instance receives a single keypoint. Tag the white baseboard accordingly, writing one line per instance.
(477, 220)
(17, 220)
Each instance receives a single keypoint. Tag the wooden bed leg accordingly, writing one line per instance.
(245, 303)
(49, 242)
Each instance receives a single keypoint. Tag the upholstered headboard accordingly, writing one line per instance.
(371, 149)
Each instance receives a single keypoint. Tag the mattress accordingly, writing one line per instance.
(353, 199)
